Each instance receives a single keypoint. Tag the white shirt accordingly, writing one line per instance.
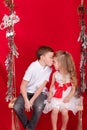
(36, 75)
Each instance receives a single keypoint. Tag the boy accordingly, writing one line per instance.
(33, 89)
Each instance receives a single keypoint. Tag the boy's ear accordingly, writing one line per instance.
(42, 56)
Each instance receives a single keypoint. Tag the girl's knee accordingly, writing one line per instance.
(55, 111)
(64, 112)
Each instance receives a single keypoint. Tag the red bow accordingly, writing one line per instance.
(59, 89)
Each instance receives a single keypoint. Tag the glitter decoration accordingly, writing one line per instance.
(8, 22)
(83, 49)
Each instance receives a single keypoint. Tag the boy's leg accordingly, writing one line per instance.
(65, 118)
(19, 110)
(54, 118)
(37, 111)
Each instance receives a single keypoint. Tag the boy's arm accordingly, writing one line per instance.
(24, 94)
(37, 93)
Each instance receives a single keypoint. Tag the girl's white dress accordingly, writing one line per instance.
(60, 90)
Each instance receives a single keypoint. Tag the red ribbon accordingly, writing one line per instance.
(59, 89)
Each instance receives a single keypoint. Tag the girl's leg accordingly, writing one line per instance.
(65, 118)
(54, 118)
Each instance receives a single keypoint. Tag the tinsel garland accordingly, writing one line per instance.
(83, 40)
(10, 4)
(9, 22)
(83, 60)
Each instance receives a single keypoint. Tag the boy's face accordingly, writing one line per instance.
(48, 58)
(56, 64)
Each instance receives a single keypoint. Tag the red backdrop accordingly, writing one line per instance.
(42, 22)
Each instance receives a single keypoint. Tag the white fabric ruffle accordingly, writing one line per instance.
(72, 105)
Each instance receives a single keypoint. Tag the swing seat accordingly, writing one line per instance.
(11, 103)
(80, 107)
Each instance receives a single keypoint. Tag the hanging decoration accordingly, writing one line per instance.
(83, 60)
(83, 40)
(8, 23)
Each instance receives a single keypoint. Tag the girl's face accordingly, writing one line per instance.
(56, 64)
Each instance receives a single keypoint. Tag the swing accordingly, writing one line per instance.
(10, 36)
(11, 103)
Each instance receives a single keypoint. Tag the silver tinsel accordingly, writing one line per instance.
(83, 62)
(9, 22)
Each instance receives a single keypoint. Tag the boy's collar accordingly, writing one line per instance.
(42, 66)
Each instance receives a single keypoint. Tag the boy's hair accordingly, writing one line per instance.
(43, 50)
(68, 64)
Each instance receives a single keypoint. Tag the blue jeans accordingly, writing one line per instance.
(38, 107)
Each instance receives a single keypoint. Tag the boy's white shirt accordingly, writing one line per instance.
(36, 75)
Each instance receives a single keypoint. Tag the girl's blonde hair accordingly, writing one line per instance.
(67, 64)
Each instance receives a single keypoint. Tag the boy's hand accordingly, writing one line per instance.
(28, 106)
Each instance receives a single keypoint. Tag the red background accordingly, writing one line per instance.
(42, 22)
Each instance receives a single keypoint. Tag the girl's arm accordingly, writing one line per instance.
(50, 90)
(72, 92)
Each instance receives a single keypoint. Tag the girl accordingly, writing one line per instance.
(61, 94)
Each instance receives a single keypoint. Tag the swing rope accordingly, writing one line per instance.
(15, 124)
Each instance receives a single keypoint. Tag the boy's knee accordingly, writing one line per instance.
(39, 107)
(16, 108)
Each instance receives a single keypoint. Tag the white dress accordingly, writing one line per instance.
(57, 102)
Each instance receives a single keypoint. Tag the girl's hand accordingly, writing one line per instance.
(66, 99)
(49, 97)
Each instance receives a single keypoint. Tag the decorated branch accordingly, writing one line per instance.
(8, 22)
